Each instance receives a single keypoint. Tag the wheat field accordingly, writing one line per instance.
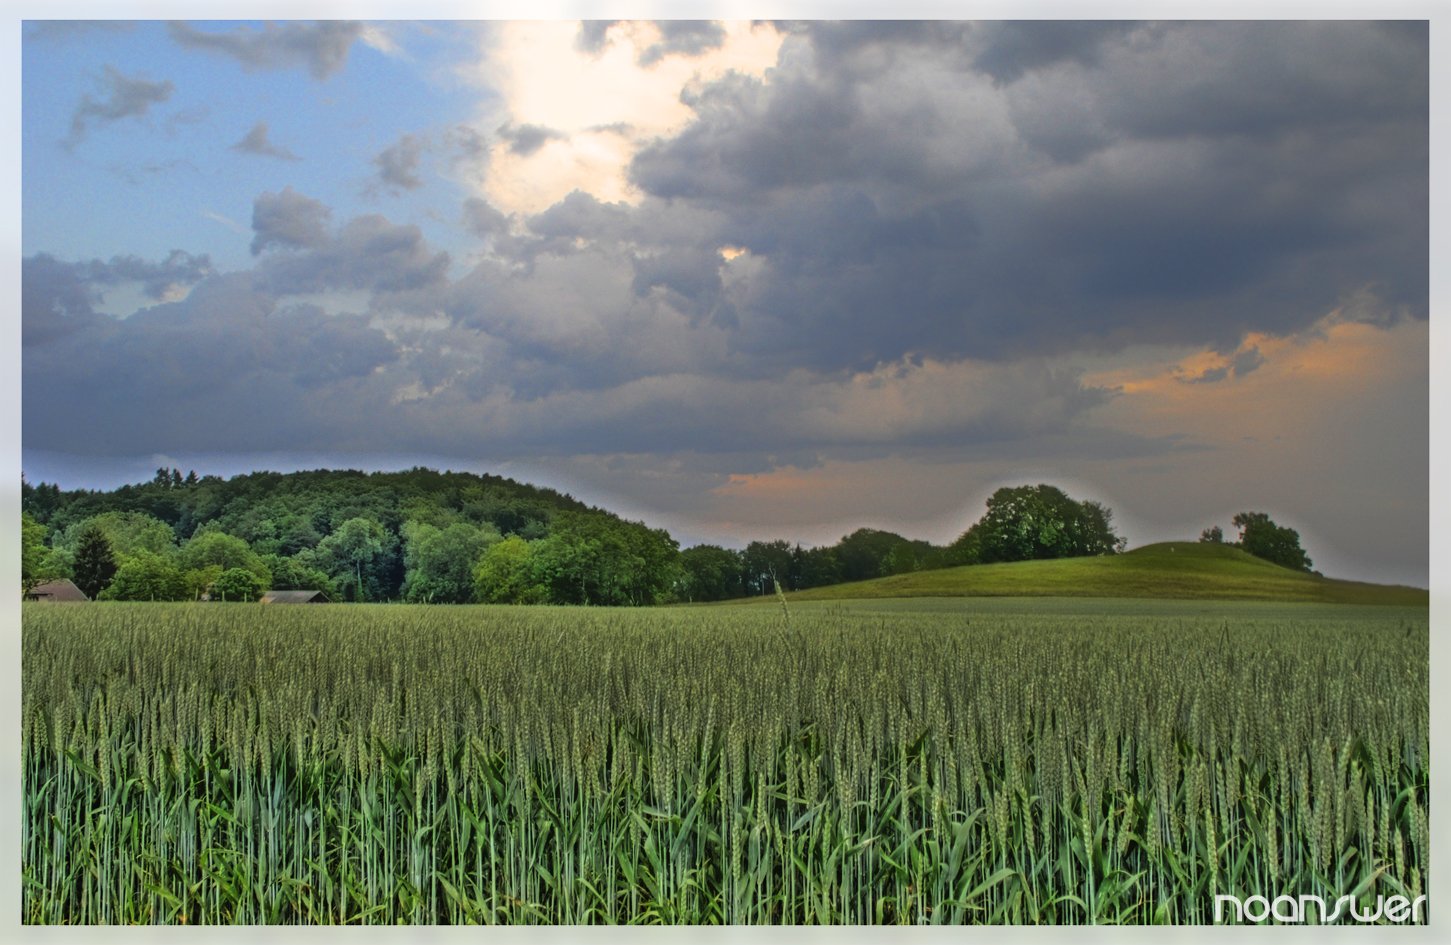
(1004, 762)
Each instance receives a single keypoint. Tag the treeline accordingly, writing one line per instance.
(711, 572)
(417, 536)
(430, 537)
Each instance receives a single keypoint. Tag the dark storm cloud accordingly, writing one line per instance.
(222, 368)
(1017, 188)
(398, 164)
(178, 269)
(59, 297)
(55, 299)
(841, 41)
(689, 276)
(677, 38)
(257, 142)
(1264, 80)
(125, 97)
(321, 48)
(1007, 50)
(484, 219)
(683, 38)
(751, 139)
(288, 220)
(367, 253)
(582, 216)
(231, 368)
(591, 38)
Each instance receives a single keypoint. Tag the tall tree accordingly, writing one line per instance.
(95, 563)
(359, 550)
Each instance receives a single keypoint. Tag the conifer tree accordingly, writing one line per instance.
(95, 562)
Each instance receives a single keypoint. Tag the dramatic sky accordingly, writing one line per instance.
(747, 281)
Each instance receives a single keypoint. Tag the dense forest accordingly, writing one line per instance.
(451, 537)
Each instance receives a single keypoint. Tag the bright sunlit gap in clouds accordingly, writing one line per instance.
(577, 116)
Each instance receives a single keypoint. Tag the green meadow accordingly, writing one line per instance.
(965, 761)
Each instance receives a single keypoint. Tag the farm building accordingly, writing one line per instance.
(60, 591)
(295, 597)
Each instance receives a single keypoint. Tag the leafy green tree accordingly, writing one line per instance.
(653, 562)
(236, 584)
(439, 563)
(967, 549)
(710, 572)
(765, 562)
(1261, 537)
(505, 574)
(32, 552)
(1212, 536)
(908, 556)
(357, 555)
(1091, 533)
(296, 574)
(871, 553)
(271, 527)
(1035, 522)
(199, 581)
(128, 533)
(563, 565)
(146, 575)
(95, 563)
(215, 548)
(599, 559)
(814, 567)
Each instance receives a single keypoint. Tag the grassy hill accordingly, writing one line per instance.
(1179, 570)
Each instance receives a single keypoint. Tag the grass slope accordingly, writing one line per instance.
(1180, 570)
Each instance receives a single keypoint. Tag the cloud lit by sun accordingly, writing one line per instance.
(1301, 375)
(592, 110)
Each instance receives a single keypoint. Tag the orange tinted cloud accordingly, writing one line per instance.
(1292, 379)
(778, 483)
